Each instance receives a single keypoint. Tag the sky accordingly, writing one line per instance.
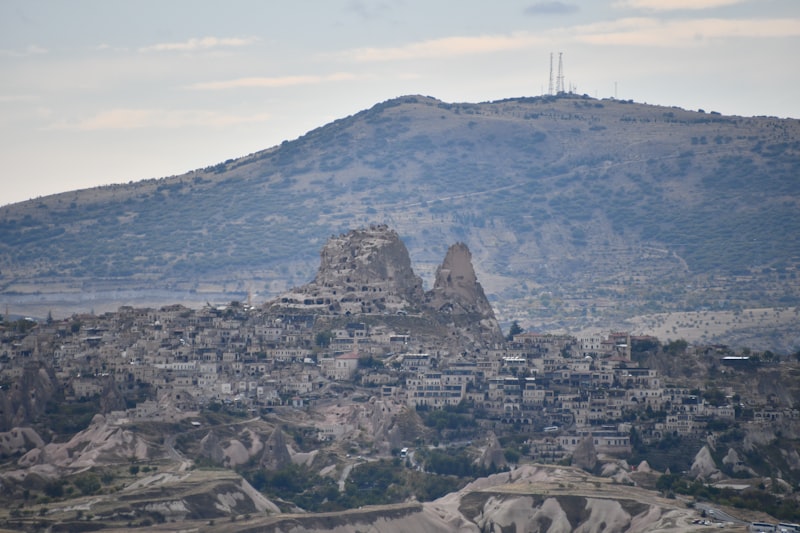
(94, 92)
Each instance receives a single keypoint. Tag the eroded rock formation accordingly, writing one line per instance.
(368, 271)
(362, 271)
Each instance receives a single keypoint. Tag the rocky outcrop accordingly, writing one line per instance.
(18, 441)
(492, 456)
(27, 397)
(735, 463)
(101, 443)
(362, 271)
(211, 448)
(456, 289)
(368, 271)
(458, 296)
(193, 495)
(276, 453)
(585, 454)
(703, 466)
(111, 399)
(531, 498)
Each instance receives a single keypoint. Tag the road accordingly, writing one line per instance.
(720, 516)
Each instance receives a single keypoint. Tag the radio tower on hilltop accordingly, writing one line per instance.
(558, 87)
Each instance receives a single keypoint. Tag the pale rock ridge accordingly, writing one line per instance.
(456, 289)
(194, 494)
(493, 454)
(211, 448)
(499, 503)
(495, 504)
(703, 466)
(100, 443)
(19, 440)
(276, 453)
(736, 464)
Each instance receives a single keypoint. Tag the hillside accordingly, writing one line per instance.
(578, 212)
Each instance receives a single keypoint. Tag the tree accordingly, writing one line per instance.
(323, 339)
(514, 329)
(677, 347)
(87, 483)
(369, 362)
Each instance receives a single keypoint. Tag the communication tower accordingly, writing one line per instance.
(560, 79)
(550, 87)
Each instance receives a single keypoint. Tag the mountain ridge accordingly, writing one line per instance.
(576, 211)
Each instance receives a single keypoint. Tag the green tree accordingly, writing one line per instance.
(54, 489)
(369, 362)
(677, 347)
(87, 483)
(514, 329)
(323, 339)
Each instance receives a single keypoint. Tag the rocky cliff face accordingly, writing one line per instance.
(457, 296)
(368, 271)
(362, 271)
(456, 289)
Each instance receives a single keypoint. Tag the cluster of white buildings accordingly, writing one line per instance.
(189, 358)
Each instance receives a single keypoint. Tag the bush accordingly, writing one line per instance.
(54, 489)
(87, 483)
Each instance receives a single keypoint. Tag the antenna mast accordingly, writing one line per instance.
(550, 88)
(560, 80)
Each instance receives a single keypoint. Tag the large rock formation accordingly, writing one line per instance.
(276, 453)
(362, 271)
(458, 297)
(585, 454)
(703, 466)
(368, 271)
(211, 448)
(492, 456)
(19, 441)
(456, 289)
(27, 397)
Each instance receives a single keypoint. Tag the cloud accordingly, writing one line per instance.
(551, 8)
(673, 5)
(128, 119)
(446, 47)
(204, 43)
(30, 50)
(682, 33)
(270, 82)
(17, 98)
(368, 10)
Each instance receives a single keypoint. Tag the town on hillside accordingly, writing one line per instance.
(167, 364)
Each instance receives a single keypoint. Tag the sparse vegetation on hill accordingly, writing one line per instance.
(576, 211)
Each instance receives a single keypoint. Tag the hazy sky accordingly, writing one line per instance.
(109, 91)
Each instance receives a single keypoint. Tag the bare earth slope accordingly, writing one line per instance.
(530, 498)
